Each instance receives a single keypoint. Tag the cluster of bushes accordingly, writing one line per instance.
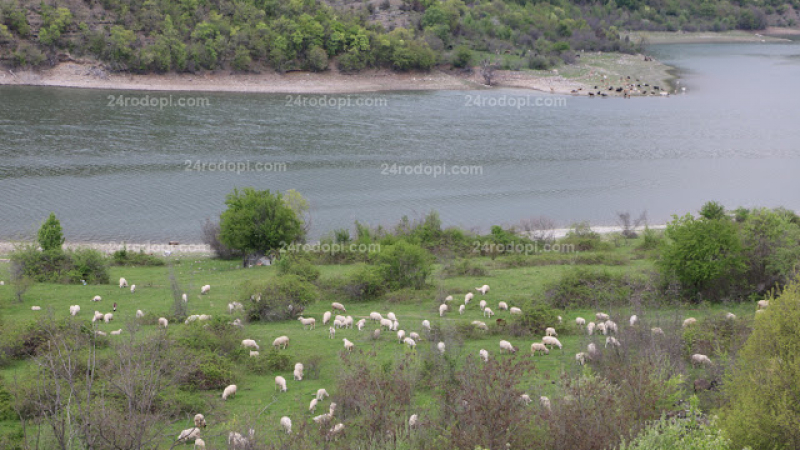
(72, 266)
(123, 257)
(583, 287)
(281, 298)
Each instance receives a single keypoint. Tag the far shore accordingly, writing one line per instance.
(771, 34)
(200, 249)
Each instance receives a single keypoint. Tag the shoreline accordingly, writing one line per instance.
(158, 248)
(769, 35)
(575, 79)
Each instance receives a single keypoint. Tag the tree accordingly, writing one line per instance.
(487, 70)
(50, 236)
(764, 386)
(258, 221)
(405, 265)
(713, 211)
(462, 57)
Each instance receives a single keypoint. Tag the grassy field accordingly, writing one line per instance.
(256, 394)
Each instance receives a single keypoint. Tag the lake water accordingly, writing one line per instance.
(129, 173)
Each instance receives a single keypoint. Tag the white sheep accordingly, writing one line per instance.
(299, 366)
(610, 326)
(461, 309)
(442, 309)
(484, 354)
(412, 421)
(237, 323)
(203, 317)
(657, 331)
(116, 332)
(36, 308)
(229, 391)
(580, 358)
(249, 343)
(391, 316)
(395, 325)
(185, 297)
(338, 323)
(123, 283)
(502, 306)
(730, 316)
(199, 444)
(74, 310)
(336, 430)
(613, 341)
(689, 321)
(280, 383)
(550, 331)
(360, 324)
(376, 334)
(286, 424)
(468, 297)
(539, 347)
(440, 346)
(191, 319)
(387, 323)
(550, 340)
(235, 306)
(545, 402)
(488, 312)
(592, 349)
(97, 298)
(414, 335)
(375, 316)
(426, 325)
(348, 322)
(100, 333)
(410, 343)
(601, 327)
(199, 421)
(348, 345)
(139, 313)
(133, 289)
(401, 335)
(108, 317)
(338, 306)
(162, 321)
(480, 325)
(238, 442)
(525, 399)
(311, 322)
(189, 434)
(254, 353)
(505, 345)
(633, 320)
(483, 289)
(482, 305)
(313, 405)
(321, 394)
(97, 316)
(697, 358)
(281, 342)
(560, 320)
(323, 418)
(297, 374)
(326, 317)
(515, 311)
(580, 321)
(763, 304)
(449, 298)
(601, 317)
(205, 289)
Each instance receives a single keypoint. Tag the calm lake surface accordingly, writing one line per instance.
(128, 173)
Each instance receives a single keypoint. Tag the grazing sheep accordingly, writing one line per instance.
(414, 335)
(505, 345)
(116, 332)
(401, 335)
(483, 289)
(336, 430)
(323, 418)
(468, 297)
(133, 289)
(442, 309)
(235, 306)
(338, 323)
(123, 283)
(348, 322)
(331, 332)
(461, 309)
(545, 402)
(412, 421)
(410, 343)
(254, 353)
(550, 340)
(516, 311)
(189, 434)
(311, 322)
(297, 374)
(539, 347)
(689, 321)
(480, 325)
(205, 289)
(249, 343)
(581, 358)
(229, 391)
(502, 306)
(633, 320)
(191, 318)
(238, 442)
(484, 354)
(550, 331)
(601, 327)
(580, 321)
(763, 304)
(199, 421)
(391, 316)
(613, 341)
(203, 317)
(440, 347)
(387, 323)
(74, 310)
(610, 326)
(185, 297)
(281, 342)
(338, 306)
(449, 298)
(601, 317)
(97, 298)
(560, 320)
(697, 358)
(313, 405)
(237, 323)
(376, 334)
(395, 324)
(656, 331)
(139, 313)
(326, 317)
(108, 317)
(361, 323)
(482, 305)
(321, 394)
(100, 333)
(488, 312)
(426, 325)
(163, 322)
(97, 316)
(525, 399)
(339, 318)
(375, 316)
(592, 349)
(280, 383)
(286, 424)
(199, 444)
(730, 316)
(36, 308)
(348, 345)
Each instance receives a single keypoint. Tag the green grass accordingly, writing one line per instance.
(154, 295)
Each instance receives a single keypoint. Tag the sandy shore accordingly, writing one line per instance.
(663, 37)
(579, 77)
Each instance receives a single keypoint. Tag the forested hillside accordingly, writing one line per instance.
(255, 35)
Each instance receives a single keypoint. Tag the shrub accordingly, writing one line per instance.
(593, 288)
(87, 265)
(297, 265)
(73, 266)
(535, 318)
(583, 238)
(214, 336)
(462, 57)
(365, 284)
(772, 248)
(650, 239)
(713, 211)
(123, 257)
(282, 298)
(50, 236)
(464, 268)
(317, 59)
(679, 434)
(212, 372)
(405, 265)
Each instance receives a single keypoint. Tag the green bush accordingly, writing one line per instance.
(650, 239)
(464, 268)
(270, 361)
(317, 59)
(536, 317)
(215, 336)
(366, 283)
(583, 239)
(281, 298)
(297, 265)
(6, 404)
(771, 247)
(212, 372)
(405, 265)
(583, 287)
(123, 257)
(679, 434)
(89, 265)
(50, 236)
(73, 266)
(462, 57)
